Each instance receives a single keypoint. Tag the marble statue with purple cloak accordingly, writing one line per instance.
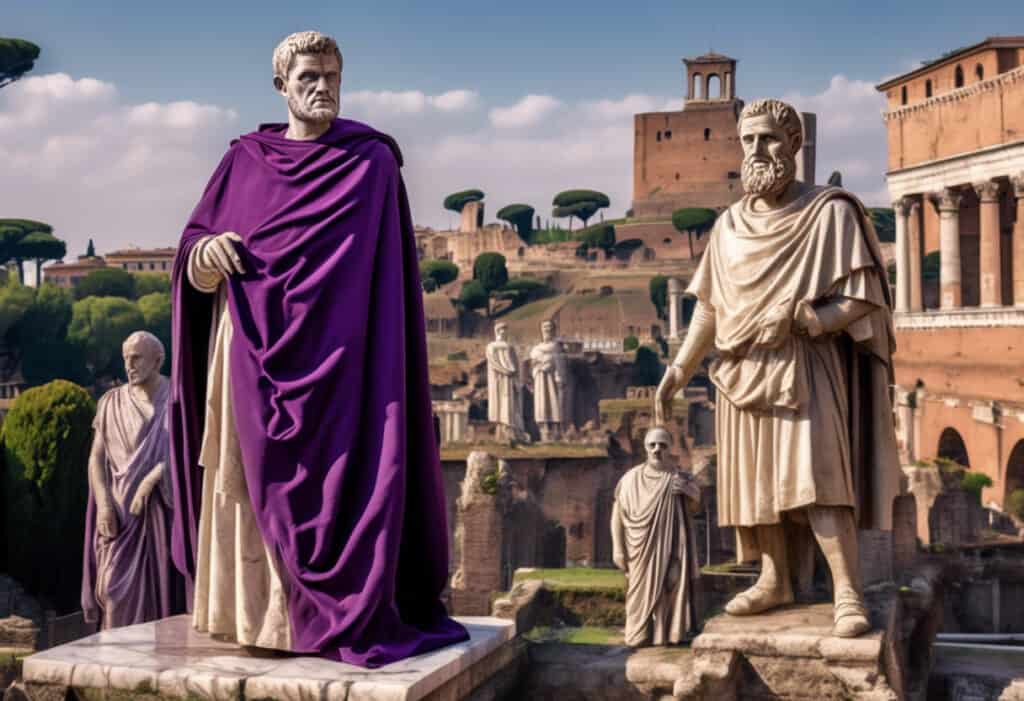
(128, 577)
(310, 513)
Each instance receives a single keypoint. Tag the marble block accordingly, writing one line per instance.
(168, 659)
(786, 653)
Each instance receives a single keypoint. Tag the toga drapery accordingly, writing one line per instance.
(809, 422)
(330, 400)
(504, 399)
(129, 579)
(657, 533)
(549, 371)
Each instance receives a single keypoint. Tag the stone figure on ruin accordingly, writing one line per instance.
(792, 292)
(653, 543)
(305, 468)
(504, 390)
(550, 383)
(127, 576)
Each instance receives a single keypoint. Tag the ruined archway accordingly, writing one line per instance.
(1014, 470)
(952, 447)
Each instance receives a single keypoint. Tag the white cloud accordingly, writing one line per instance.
(612, 110)
(79, 157)
(851, 136)
(528, 111)
(379, 103)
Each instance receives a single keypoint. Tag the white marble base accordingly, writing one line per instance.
(168, 659)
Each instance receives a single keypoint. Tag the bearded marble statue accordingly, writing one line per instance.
(550, 383)
(128, 577)
(653, 543)
(504, 391)
(792, 292)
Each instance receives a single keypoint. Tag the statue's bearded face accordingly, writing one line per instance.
(141, 362)
(769, 156)
(312, 87)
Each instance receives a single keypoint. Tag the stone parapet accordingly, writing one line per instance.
(962, 318)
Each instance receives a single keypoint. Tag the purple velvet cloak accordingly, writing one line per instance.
(330, 389)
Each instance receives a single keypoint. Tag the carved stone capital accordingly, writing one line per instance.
(988, 190)
(947, 200)
(1018, 185)
(902, 206)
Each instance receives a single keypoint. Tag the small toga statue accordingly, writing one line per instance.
(127, 572)
(504, 391)
(793, 293)
(550, 376)
(653, 543)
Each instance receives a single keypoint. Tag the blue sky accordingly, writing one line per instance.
(183, 77)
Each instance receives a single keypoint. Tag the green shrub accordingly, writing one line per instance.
(429, 284)
(695, 219)
(974, 482)
(582, 204)
(658, 290)
(148, 283)
(106, 282)
(1015, 503)
(458, 355)
(46, 439)
(884, 220)
(550, 235)
(440, 271)
(630, 343)
(490, 271)
(473, 296)
(598, 236)
(647, 368)
(520, 216)
(99, 326)
(156, 312)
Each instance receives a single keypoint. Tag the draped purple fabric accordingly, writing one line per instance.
(128, 579)
(330, 389)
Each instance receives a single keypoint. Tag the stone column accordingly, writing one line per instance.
(989, 259)
(902, 210)
(914, 242)
(675, 307)
(947, 201)
(1018, 241)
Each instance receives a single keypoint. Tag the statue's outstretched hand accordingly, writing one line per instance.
(671, 383)
(221, 254)
(619, 558)
(106, 521)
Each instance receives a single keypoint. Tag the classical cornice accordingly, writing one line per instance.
(966, 318)
(1008, 78)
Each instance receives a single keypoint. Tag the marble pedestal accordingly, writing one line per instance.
(167, 659)
(788, 653)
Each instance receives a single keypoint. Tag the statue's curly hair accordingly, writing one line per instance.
(781, 113)
(302, 43)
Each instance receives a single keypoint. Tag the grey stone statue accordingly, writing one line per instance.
(793, 293)
(504, 389)
(653, 543)
(550, 383)
(128, 577)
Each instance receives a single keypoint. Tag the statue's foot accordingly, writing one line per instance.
(757, 599)
(851, 618)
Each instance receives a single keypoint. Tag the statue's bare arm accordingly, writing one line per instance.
(106, 515)
(618, 539)
(146, 488)
(700, 339)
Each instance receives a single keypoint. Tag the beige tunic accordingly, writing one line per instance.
(783, 418)
(549, 378)
(238, 591)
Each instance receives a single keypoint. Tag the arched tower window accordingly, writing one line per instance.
(714, 87)
(958, 77)
(928, 88)
(698, 86)
(707, 135)
(979, 72)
